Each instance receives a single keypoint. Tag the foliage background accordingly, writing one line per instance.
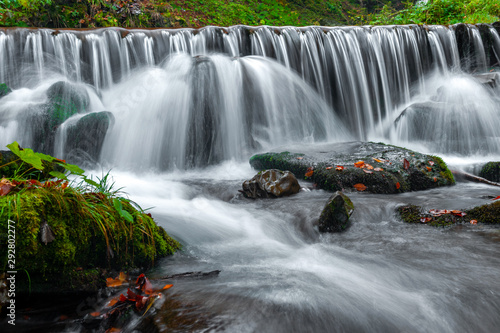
(198, 13)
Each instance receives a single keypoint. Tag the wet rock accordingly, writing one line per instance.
(491, 171)
(488, 79)
(388, 173)
(335, 215)
(65, 100)
(271, 184)
(85, 138)
(4, 90)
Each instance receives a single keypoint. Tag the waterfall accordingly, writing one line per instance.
(185, 98)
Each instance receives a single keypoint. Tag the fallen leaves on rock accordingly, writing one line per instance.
(406, 164)
(398, 185)
(339, 168)
(359, 187)
(309, 172)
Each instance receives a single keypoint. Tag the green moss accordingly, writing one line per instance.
(89, 233)
(4, 90)
(444, 171)
(414, 214)
(489, 213)
(491, 171)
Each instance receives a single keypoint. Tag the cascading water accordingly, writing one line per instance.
(172, 102)
(201, 99)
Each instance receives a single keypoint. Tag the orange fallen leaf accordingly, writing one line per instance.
(113, 301)
(368, 166)
(329, 168)
(359, 187)
(367, 171)
(497, 198)
(435, 179)
(359, 164)
(113, 330)
(378, 160)
(429, 168)
(473, 221)
(309, 172)
(339, 168)
(5, 186)
(425, 219)
(95, 314)
(458, 213)
(299, 158)
(398, 185)
(110, 282)
(144, 285)
(406, 164)
(167, 286)
(378, 169)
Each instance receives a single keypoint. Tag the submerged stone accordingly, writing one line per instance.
(271, 184)
(491, 171)
(335, 215)
(333, 167)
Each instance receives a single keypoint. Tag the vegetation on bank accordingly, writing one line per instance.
(198, 13)
(71, 229)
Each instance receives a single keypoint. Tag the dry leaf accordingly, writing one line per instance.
(406, 164)
(473, 221)
(359, 187)
(329, 168)
(367, 171)
(339, 168)
(378, 169)
(429, 168)
(309, 172)
(398, 185)
(359, 164)
(425, 219)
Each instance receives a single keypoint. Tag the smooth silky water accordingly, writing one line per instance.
(191, 107)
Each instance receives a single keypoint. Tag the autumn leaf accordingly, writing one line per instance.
(113, 330)
(309, 172)
(398, 185)
(378, 169)
(144, 285)
(378, 160)
(406, 164)
(435, 179)
(167, 286)
(110, 282)
(431, 163)
(329, 168)
(359, 164)
(299, 158)
(429, 168)
(339, 168)
(359, 187)
(458, 213)
(496, 198)
(5, 186)
(113, 301)
(425, 219)
(367, 171)
(473, 221)
(368, 166)
(95, 314)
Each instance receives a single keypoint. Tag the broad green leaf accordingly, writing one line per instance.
(75, 169)
(14, 147)
(58, 174)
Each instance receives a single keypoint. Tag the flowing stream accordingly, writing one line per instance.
(189, 107)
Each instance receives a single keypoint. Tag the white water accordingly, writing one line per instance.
(184, 100)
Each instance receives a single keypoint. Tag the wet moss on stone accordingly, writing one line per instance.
(491, 171)
(90, 235)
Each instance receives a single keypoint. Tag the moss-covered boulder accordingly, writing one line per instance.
(4, 90)
(488, 214)
(90, 234)
(378, 167)
(85, 138)
(335, 215)
(491, 171)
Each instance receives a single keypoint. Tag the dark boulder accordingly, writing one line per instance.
(335, 215)
(271, 184)
(65, 100)
(491, 171)
(85, 138)
(384, 168)
(4, 90)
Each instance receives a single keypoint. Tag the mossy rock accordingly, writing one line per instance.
(487, 214)
(491, 171)
(423, 172)
(4, 90)
(90, 234)
(336, 213)
(65, 100)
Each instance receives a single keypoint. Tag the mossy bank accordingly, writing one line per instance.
(90, 235)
